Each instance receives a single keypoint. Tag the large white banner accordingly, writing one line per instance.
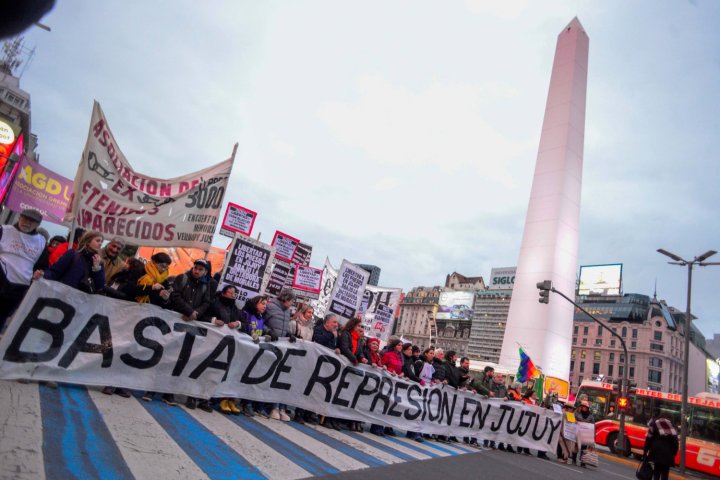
(111, 197)
(62, 334)
(348, 291)
(378, 308)
(328, 282)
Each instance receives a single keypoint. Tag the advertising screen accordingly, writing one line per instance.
(456, 306)
(600, 279)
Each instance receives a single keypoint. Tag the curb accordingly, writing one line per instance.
(635, 463)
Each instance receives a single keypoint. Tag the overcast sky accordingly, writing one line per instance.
(404, 133)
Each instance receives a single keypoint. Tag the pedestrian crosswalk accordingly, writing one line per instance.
(78, 432)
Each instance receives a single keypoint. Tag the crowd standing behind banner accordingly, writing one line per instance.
(194, 296)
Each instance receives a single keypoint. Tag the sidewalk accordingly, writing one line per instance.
(634, 463)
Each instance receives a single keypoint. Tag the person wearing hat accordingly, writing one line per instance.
(583, 415)
(192, 294)
(111, 258)
(150, 285)
(21, 260)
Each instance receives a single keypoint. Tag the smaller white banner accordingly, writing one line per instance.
(237, 219)
(285, 246)
(307, 278)
(348, 291)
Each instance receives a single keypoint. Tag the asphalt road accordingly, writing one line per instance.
(491, 465)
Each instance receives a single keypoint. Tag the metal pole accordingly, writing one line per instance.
(625, 384)
(686, 373)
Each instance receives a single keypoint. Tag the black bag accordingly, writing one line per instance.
(644, 470)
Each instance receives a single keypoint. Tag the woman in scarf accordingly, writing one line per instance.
(150, 285)
(351, 345)
(301, 324)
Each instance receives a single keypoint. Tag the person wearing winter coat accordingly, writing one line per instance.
(427, 370)
(350, 341)
(392, 358)
(661, 445)
(301, 324)
(409, 371)
(81, 268)
(149, 284)
(277, 315)
(325, 334)
(193, 291)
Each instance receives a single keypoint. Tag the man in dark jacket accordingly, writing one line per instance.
(192, 294)
(409, 371)
(277, 314)
(661, 445)
(193, 291)
(325, 333)
(446, 371)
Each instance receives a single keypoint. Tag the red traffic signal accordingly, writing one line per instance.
(623, 403)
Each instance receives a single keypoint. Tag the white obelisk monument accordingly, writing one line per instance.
(549, 248)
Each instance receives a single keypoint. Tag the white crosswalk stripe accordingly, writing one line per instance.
(359, 445)
(147, 449)
(21, 453)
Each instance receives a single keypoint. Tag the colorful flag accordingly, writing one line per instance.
(527, 369)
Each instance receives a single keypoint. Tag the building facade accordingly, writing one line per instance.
(488, 325)
(653, 333)
(417, 312)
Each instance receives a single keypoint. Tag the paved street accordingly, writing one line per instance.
(74, 432)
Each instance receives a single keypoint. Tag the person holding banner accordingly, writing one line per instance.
(408, 369)
(277, 315)
(352, 347)
(81, 268)
(252, 322)
(150, 284)
(112, 263)
(21, 248)
(301, 324)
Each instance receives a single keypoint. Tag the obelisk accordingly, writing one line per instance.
(549, 247)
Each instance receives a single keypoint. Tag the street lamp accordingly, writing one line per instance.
(699, 261)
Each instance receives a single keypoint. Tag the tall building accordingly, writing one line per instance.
(653, 333)
(374, 272)
(416, 318)
(550, 238)
(488, 325)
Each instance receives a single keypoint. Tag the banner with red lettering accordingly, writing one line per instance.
(111, 197)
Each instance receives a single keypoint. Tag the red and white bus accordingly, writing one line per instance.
(702, 450)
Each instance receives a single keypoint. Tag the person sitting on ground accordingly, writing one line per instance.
(81, 268)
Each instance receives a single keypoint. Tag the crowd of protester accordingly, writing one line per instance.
(82, 263)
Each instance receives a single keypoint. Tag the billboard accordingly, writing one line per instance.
(713, 375)
(455, 305)
(600, 279)
(502, 278)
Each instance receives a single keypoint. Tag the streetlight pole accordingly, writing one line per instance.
(547, 285)
(700, 261)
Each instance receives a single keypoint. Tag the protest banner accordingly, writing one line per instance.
(111, 197)
(285, 246)
(64, 335)
(302, 255)
(347, 293)
(329, 277)
(279, 277)
(42, 189)
(237, 219)
(247, 267)
(378, 308)
(308, 279)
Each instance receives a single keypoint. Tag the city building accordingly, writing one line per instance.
(457, 281)
(417, 312)
(374, 272)
(653, 333)
(488, 325)
(713, 345)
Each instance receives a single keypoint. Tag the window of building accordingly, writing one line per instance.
(657, 336)
(656, 347)
(632, 372)
(572, 365)
(624, 332)
(582, 366)
(612, 343)
(610, 370)
(598, 342)
(600, 330)
(585, 330)
(632, 358)
(574, 354)
(575, 330)
(574, 341)
(597, 356)
(583, 354)
(612, 357)
(622, 358)
(634, 332)
(633, 344)
(621, 369)
(654, 376)
(596, 369)
(584, 341)
(580, 379)
(656, 362)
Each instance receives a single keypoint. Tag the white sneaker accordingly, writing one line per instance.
(275, 414)
(284, 416)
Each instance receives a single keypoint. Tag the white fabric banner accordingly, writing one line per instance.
(62, 334)
(112, 198)
(378, 308)
(348, 291)
(329, 277)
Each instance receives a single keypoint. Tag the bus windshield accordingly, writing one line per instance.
(600, 401)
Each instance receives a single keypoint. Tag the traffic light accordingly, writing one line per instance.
(544, 288)
(623, 404)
